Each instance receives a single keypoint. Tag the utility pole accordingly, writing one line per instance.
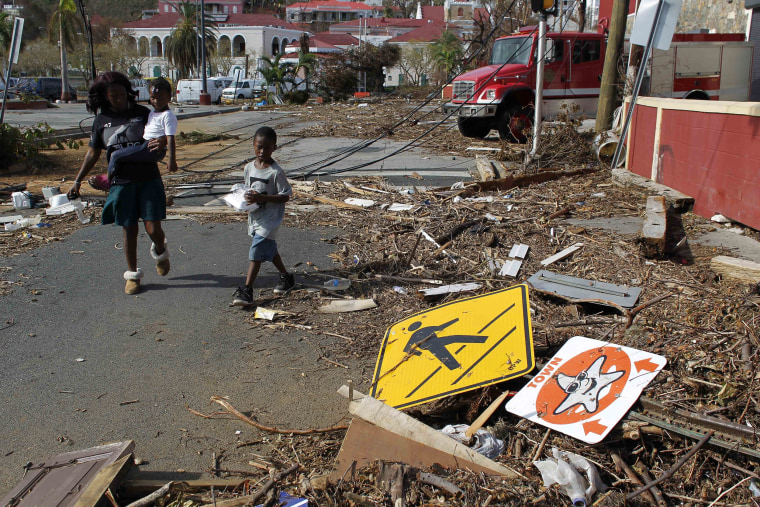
(205, 98)
(610, 79)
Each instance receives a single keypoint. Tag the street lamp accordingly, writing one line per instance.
(205, 98)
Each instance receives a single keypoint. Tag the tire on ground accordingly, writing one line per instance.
(471, 127)
(514, 122)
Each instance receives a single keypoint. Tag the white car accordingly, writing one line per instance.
(246, 89)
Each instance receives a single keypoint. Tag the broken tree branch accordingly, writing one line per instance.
(665, 476)
(254, 498)
(624, 467)
(232, 410)
(632, 314)
(148, 500)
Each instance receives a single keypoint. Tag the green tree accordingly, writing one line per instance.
(370, 60)
(182, 45)
(303, 69)
(275, 73)
(63, 27)
(6, 35)
(447, 54)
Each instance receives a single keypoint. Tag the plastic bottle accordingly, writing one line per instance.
(400, 290)
(337, 284)
(564, 474)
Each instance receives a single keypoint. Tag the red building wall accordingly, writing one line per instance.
(707, 150)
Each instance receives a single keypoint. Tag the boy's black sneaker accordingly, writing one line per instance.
(287, 282)
(243, 296)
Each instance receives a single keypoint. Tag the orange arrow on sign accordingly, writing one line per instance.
(594, 427)
(646, 365)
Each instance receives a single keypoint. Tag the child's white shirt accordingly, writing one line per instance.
(160, 125)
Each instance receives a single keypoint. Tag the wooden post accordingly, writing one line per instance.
(610, 78)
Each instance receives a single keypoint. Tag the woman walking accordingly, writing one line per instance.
(137, 191)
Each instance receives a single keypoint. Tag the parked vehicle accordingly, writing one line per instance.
(45, 87)
(189, 90)
(501, 94)
(246, 89)
(141, 87)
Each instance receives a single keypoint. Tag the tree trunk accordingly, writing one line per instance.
(65, 92)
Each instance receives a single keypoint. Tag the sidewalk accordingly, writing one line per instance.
(75, 120)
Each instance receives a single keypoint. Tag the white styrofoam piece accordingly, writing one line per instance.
(519, 251)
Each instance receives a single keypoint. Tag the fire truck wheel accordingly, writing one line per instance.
(515, 122)
(469, 127)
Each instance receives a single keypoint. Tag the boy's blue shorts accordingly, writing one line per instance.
(127, 204)
(262, 249)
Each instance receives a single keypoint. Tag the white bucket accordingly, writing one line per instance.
(605, 145)
(58, 200)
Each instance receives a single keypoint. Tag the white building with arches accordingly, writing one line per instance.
(239, 35)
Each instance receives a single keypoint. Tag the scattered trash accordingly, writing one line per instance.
(718, 218)
(22, 200)
(579, 290)
(285, 500)
(348, 305)
(236, 198)
(564, 470)
(399, 289)
(586, 388)
(561, 255)
(400, 207)
(485, 443)
(449, 289)
(264, 313)
(364, 203)
(754, 487)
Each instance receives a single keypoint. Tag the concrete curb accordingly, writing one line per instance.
(76, 132)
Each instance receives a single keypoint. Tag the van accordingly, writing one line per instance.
(189, 90)
(246, 89)
(45, 87)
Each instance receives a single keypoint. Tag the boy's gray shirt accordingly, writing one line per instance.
(266, 219)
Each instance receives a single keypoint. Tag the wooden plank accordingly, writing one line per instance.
(407, 437)
(485, 169)
(365, 443)
(138, 487)
(326, 200)
(654, 228)
(211, 210)
(107, 477)
(679, 201)
(487, 413)
(736, 269)
(561, 255)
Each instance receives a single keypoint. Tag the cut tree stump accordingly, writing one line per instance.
(654, 228)
(736, 269)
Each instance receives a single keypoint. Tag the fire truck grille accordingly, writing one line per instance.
(463, 89)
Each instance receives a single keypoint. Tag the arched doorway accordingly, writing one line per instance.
(224, 46)
(156, 47)
(238, 46)
(275, 46)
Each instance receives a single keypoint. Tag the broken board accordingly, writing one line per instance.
(65, 479)
(586, 388)
(379, 432)
(580, 290)
(455, 347)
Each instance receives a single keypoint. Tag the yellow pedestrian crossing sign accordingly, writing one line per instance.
(455, 347)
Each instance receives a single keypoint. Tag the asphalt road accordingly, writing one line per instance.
(84, 364)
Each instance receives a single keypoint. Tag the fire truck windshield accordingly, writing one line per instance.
(511, 50)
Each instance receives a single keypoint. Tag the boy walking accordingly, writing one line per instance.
(269, 188)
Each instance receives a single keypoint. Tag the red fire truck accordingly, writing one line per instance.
(501, 95)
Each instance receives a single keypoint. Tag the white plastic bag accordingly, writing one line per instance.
(485, 443)
(564, 470)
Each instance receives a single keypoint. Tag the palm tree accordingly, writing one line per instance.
(182, 44)
(275, 73)
(306, 65)
(447, 53)
(63, 28)
(6, 37)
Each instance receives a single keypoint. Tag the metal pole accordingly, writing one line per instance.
(197, 43)
(203, 47)
(637, 84)
(539, 83)
(11, 57)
